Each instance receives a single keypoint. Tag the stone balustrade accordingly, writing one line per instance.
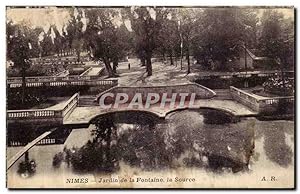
(248, 74)
(15, 82)
(258, 103)
(45, 113)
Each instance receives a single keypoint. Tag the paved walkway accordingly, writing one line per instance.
(95, 71)
(166, 73)
(83, 115)
(161, 73)
(132, 75)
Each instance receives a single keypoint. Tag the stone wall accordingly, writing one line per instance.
(263, 105)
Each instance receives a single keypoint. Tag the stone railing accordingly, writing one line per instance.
(272, 104)
(45, 141)
(38, 113)
(58, 62)
(45, 113)
(245, 98)
(70, 105)
(258, 103)
(244, 74)
(15, 82)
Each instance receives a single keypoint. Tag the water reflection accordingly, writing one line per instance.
(19, 135)
(275, 141)
(27, 168)
(186, 138)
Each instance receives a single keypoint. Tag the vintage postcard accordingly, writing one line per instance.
(150, 97)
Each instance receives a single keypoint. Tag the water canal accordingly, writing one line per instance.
(202, 145)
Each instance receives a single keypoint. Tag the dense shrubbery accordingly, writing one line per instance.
(37, 70)
(275, 86)
(58, 159)
(27, 168)
(30, 100)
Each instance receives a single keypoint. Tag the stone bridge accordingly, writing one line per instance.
(85, 115)
(240, 104)
(72, 113)
(203, 100)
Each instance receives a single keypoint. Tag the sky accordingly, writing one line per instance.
(39, 17)
(45, 17)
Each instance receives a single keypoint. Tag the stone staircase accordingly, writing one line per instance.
(222, 94)
(87, 101)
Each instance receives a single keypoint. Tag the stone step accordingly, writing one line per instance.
(223, 94)
(87, 101)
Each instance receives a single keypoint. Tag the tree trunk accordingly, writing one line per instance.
(143, 61)
(181, 50)
(188, 61)
(23, 86)
(108, 68)
(26, 157)
(78, 55)
(108, 146)
(115, 65)
(149, 65)
(171, 59)
(164, 56)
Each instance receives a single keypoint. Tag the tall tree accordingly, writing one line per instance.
(121, 46)
(146, 24)
(277, 36)
(277, 39)
(168, 39)
(188, 22)
(75, 31)
(106, 40)
(18, 50)
(47, 44)
(58, 41)
(222, 30)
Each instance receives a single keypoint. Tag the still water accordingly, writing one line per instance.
(207, 142)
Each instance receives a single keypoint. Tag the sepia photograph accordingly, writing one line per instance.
(152, 97)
